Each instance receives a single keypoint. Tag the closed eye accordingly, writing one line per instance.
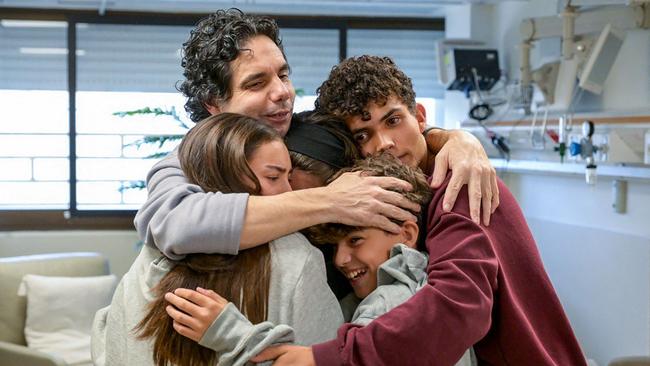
(255, 85)
(355, 240)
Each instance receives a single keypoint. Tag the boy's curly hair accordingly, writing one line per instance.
(359, 81)
(213, 44)
(381, 165)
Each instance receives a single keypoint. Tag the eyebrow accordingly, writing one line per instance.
(276, 167)
(389, 113)
(385, 116)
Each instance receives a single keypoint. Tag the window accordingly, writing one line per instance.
(414, 51)
(311, 54)
(34, 124)
(123, 68)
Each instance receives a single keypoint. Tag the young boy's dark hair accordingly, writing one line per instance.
(358, 81)
(381, 165)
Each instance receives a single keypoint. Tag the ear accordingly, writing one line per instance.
(421, 116)
(410, 231)
(212, 109)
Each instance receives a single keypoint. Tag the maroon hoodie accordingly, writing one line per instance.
(487, 288)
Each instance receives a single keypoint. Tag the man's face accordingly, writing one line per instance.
(393, 128)
(260, 85)
(360, 253)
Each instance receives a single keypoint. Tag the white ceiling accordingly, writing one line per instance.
(385, 8)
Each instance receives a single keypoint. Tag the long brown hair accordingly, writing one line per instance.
(214, 155)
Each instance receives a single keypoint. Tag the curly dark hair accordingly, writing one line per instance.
(381, 165)
(358, 81)
(213, 44)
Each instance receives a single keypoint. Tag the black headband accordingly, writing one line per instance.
(316, 142)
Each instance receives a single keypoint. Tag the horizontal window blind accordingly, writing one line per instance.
(414, 51)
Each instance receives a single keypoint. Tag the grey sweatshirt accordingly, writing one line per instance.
(298, 296)
(180, 218)
(404, 273)
(398, 279)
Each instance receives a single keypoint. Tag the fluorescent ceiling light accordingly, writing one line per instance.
(48, 51)
(32, 24)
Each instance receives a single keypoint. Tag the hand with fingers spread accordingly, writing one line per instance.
(287, 355)
(194, 311)
(365, 201)
(464, 155)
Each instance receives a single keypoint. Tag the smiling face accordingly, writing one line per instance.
(271, 165)
(260, 85)
(391, 128)
(360, 253)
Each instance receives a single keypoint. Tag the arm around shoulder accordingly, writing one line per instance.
(179, 218)
(446, 316)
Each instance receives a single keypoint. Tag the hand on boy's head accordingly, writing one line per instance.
(464, 155)
(194, 311)
(366, 202)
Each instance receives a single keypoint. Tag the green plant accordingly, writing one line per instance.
(158, 140)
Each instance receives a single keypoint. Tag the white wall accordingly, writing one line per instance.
(120, 247)
(598, 260)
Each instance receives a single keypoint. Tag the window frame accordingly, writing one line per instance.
(74, 219)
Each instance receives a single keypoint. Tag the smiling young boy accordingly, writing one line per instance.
(383, 269)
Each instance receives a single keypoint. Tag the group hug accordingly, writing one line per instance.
(353, 234)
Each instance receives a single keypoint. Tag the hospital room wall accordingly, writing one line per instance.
(598, 260)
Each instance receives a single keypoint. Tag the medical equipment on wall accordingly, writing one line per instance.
(472, 69)
(591, 40)
(586, 149)
(468, 67)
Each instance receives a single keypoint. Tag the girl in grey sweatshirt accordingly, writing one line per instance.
(224, 153)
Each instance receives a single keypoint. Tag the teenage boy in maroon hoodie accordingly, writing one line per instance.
(487, 286)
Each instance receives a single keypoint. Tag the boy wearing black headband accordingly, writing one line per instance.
(319, 145)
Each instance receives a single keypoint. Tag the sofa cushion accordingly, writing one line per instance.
(12, 270)
(60, 312)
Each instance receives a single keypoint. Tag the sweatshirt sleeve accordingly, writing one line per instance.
(442, 320)
(236, 340)
(316, 313)
(180, 218)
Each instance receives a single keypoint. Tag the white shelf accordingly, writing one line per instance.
(635, 172)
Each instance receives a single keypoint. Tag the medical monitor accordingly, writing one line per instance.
(469, 67)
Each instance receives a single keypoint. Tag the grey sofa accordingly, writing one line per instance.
(13, 348)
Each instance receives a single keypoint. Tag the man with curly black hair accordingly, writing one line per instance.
(220, 45)
(234, 62)
(486, 286)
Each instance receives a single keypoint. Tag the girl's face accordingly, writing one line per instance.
(271, 164)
